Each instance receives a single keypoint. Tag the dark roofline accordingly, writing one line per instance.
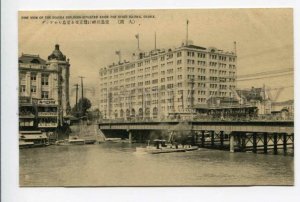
(196, 47)
(28, 58)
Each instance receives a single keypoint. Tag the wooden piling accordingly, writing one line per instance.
(285, 143)
(254, 138)
(243, 142)
(275, 138)
(212, 138)
(265, 143)
(203, 139)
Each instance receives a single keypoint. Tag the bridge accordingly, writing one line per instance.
(252, 136)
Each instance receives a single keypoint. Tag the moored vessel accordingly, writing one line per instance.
(160, 146)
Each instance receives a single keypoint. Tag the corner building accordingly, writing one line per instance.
(166, 83)
(43, 91)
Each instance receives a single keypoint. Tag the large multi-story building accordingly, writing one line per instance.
(166, 83)
(43, 91)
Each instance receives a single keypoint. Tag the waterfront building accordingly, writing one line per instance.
(43, 91)
(256, 97)
(166, 83)
(283, 110)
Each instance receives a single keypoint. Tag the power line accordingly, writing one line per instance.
(267, 72)
(263, 77)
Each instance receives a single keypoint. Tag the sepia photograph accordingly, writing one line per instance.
(174, 97)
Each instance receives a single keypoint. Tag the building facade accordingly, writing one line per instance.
(256, 97)
(166, 83)
(43, 91)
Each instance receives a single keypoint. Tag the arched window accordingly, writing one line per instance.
(127, 113)
(155, 112)
(140, 112)
(121, 113)
(147, 112)
(132, 112)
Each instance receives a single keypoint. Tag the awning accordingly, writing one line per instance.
(31, 132)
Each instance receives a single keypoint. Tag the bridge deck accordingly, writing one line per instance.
(230, 126)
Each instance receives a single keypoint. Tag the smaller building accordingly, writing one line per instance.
(256, 97)
(43, 92)
(283, 110)
(225, 108)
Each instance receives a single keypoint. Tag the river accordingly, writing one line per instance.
(117, 164)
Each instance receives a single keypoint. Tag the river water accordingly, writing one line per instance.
(117, 164)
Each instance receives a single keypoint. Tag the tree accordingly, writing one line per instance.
(82, 106)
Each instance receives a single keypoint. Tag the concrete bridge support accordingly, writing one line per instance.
(202, 138)
(221, 139)
(130, 136)
(231, 142)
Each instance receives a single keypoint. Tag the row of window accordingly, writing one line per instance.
(170, 71)
(155, 68)
(170, 56)
(33, 77)
(44, 94)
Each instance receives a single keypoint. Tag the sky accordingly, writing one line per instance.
(264, 41)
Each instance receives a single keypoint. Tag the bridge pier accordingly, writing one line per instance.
(202, 138)
(231, 142)
(254, 142)
(285, 143)
(243, 143)
(265, 143)
(130, 136)
(275, 143)
(222, 139)
(212, 138)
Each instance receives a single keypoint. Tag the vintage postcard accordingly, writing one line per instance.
(189, 97)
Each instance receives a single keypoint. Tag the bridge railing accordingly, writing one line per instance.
(208, 119)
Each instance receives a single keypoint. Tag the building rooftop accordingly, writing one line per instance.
(31, 59)
(252, 94)
(156, 52)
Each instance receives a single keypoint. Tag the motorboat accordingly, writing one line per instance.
(160, 146)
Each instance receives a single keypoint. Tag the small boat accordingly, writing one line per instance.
(113, 139)
(161, 147)
(70, 141)
(90, 141)
(28, 139)
(191, 148)
(117, 140)
(23, 144)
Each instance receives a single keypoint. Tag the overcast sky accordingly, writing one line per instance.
(264, 40)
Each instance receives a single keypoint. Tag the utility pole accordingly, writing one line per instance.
(137, 36)
(187, 33)
(76, 85)
(234, 47)
(118, 53)
(81, 77)
(155, 41)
